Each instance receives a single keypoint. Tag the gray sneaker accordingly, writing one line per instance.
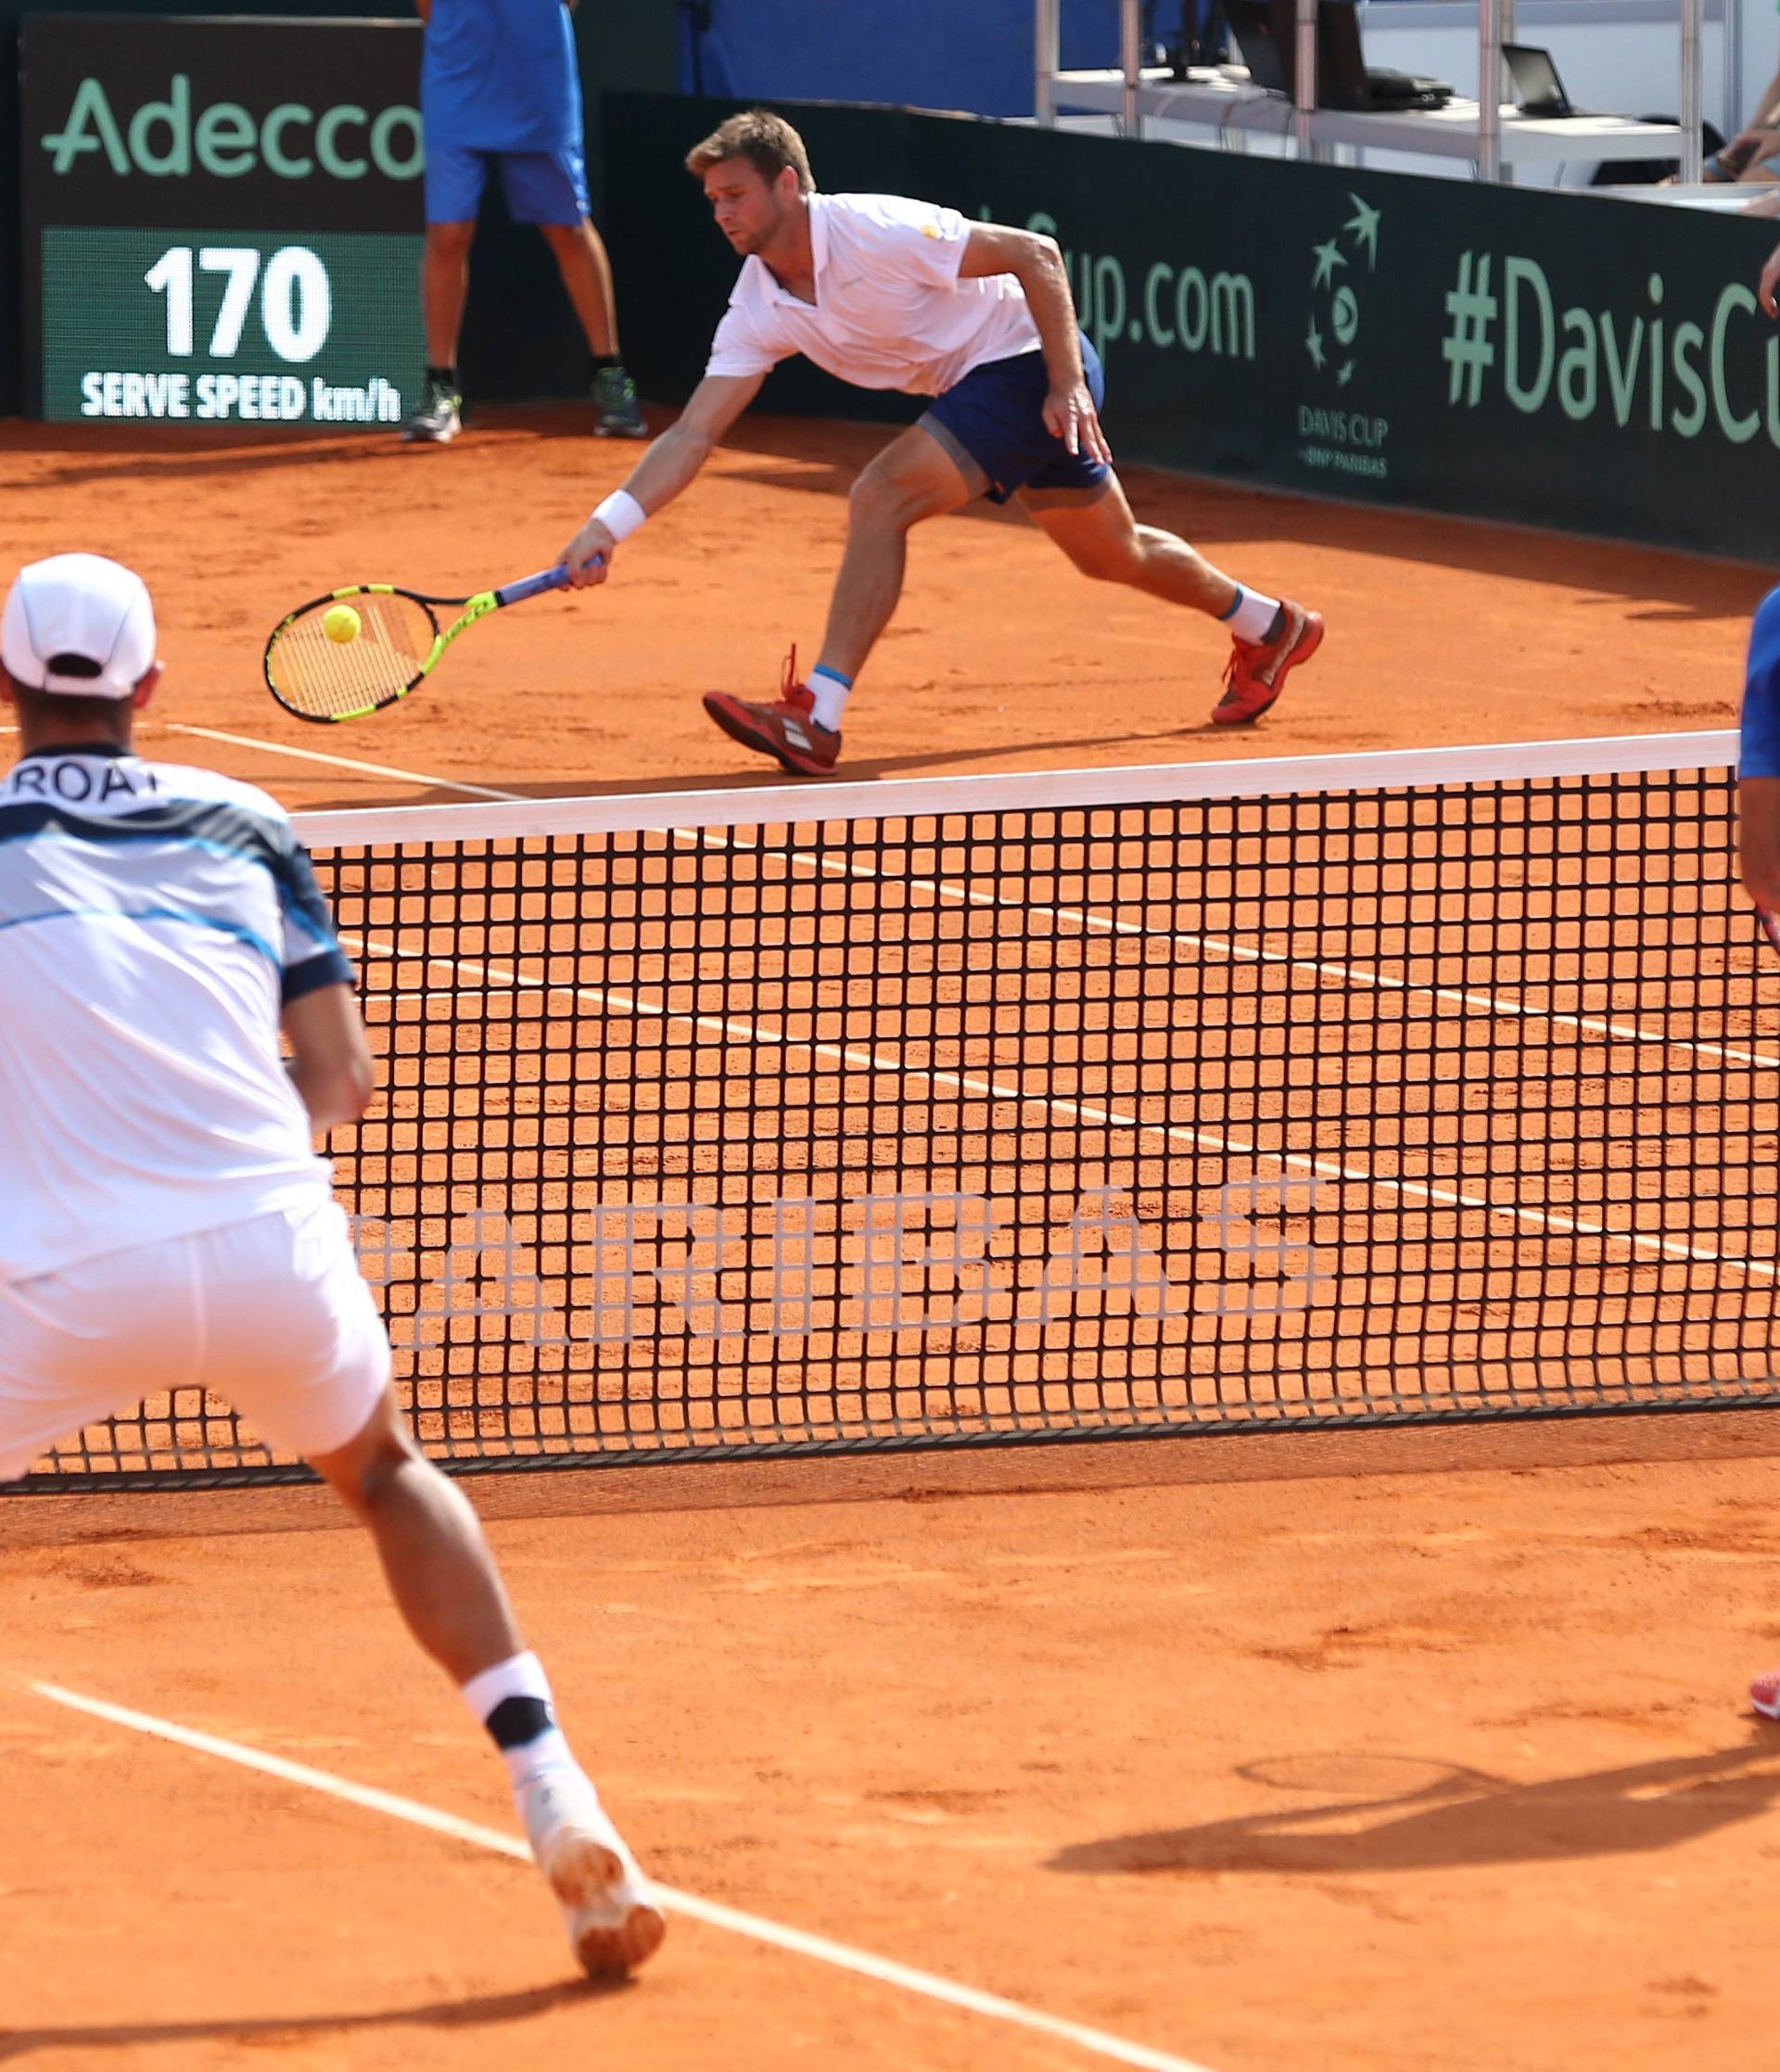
(615, 397)
(438, 418)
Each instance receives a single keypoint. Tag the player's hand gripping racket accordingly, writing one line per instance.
(362, 648)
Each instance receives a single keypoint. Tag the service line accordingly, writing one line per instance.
(1092, 922)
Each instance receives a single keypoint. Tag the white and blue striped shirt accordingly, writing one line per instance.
(154, 920)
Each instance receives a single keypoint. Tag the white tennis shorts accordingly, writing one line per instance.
(271, 1314)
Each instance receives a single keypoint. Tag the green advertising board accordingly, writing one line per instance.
(222, 221)
(1550, 358)
(196, 326)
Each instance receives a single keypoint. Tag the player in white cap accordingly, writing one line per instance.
(158, 925)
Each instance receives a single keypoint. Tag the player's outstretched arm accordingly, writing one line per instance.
(664, 471)
(1038, 264)
(331, 1065)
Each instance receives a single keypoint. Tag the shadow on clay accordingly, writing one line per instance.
(1463, 1816)
(486, 2010)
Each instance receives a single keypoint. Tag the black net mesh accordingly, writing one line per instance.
(1347, 1106)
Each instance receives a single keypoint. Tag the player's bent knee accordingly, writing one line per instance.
(1109, 568)
(364, 1469)
(889, 499)
(880, 503)
(1108, 561)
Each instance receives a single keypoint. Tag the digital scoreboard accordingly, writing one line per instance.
(222, 220)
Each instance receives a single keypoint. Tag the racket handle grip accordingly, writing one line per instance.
(533, 586)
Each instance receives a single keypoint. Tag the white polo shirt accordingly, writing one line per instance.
(153, 920)
(890, 311)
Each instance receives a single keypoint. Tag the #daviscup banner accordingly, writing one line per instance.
(1551, 358)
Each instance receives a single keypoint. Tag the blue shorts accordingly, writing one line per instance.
(1759, 751)
(996, 416)
(540, 186)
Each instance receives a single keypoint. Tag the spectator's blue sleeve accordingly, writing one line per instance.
(1759, 753)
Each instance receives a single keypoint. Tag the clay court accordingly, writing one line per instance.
(1382, 1750)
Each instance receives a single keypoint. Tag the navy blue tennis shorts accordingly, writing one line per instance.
(995, 415)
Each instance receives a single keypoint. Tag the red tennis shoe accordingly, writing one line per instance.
(1255, 673)
(788, 730)
(1764, 1695)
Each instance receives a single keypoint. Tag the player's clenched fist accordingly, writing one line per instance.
(588, 556)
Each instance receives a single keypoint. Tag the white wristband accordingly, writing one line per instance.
(621, 515)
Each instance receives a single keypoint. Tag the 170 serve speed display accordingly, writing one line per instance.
(155, 323)
(217, 230)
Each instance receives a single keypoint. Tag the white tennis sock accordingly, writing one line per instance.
(830, 691)
(1252, 617)
(512, 1701)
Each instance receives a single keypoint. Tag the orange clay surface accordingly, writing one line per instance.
(1417, 1752)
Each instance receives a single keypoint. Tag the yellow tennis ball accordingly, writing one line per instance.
(342, 623)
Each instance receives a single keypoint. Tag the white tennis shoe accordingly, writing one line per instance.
(613, 1920)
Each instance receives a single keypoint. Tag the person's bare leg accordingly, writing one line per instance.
(914, 478)
(1098, 534)
(1270, 636)
(444, 286)
(443, 1578)
(429, 1541)
(587, 274)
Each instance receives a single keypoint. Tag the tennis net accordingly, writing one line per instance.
(1426, 1086)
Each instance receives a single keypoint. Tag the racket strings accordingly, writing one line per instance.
(333, 679)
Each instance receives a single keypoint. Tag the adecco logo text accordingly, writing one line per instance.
(164, 139)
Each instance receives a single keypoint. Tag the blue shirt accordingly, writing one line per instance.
(500, 76)
(1759, 753)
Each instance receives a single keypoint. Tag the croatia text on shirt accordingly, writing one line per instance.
(154, 922)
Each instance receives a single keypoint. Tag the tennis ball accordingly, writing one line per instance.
(340, 622)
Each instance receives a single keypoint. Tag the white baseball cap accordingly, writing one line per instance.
(78, 609)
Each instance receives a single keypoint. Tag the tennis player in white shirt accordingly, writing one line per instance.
(164, 1222)
(887, 293)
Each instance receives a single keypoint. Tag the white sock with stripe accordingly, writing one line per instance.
(1252, 617)
(830, 691)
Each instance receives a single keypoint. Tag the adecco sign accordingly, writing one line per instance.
(141, 121)
(164, 139)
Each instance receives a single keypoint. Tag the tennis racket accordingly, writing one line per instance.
(395, 645)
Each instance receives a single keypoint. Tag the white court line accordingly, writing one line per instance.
(1488, 1003)
(1348, 974)
(885, 1970)
(342, 762)
(1322, 1168)
(1173, 1133)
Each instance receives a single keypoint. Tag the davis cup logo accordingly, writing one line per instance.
(1340, 268)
